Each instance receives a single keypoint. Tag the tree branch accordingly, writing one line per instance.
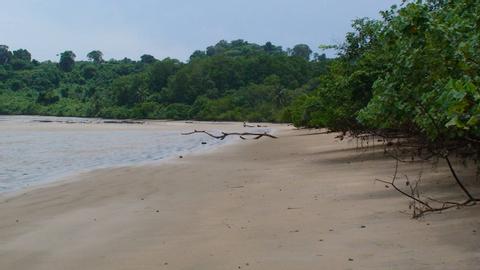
(242, 135)
(415, 197)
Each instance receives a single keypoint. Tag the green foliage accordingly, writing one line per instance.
(5, 55)
(159, 73)
(22, 54)
(433, 86)
(129, 90)
(47, 98)
(67, 61)
(147, 59)
(347, 86)
(17, 103)
(234, 80)
(415, 72)
(96, 56)
(302, 50)
(89, 72)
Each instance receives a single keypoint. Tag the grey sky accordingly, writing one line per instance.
(167, 28)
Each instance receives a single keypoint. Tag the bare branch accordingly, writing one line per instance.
(392, 183)
(465, 190)
(415, 197)
(242, 135)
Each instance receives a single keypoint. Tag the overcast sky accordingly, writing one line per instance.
(168, 28)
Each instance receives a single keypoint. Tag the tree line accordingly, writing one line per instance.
(234, 80)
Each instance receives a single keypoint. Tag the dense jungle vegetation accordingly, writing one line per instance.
(414, 72)
(229, 81)
(412, 75)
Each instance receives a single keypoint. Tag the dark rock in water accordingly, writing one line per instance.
(204, 142)
(180, 157)
(43, 121)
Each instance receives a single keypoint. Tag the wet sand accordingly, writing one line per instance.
(299, 202)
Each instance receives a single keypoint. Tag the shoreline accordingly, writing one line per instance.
(299, 202)
(79, 174)
(163, 143)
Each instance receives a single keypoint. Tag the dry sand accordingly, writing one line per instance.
(299, 202)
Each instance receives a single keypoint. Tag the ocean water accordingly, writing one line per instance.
(33, 152)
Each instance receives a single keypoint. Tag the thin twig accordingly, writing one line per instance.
(415, 197)
(392, 183)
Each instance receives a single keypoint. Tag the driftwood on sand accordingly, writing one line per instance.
(242, 135)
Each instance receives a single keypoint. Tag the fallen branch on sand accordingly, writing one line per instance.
(242, 135)
(421, 206)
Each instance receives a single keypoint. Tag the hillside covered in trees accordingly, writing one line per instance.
(229, 81)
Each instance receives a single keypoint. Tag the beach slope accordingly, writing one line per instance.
(302, 201)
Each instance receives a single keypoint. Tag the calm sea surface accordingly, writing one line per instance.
(34, 150)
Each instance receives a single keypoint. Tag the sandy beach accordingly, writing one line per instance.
(303, 201)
